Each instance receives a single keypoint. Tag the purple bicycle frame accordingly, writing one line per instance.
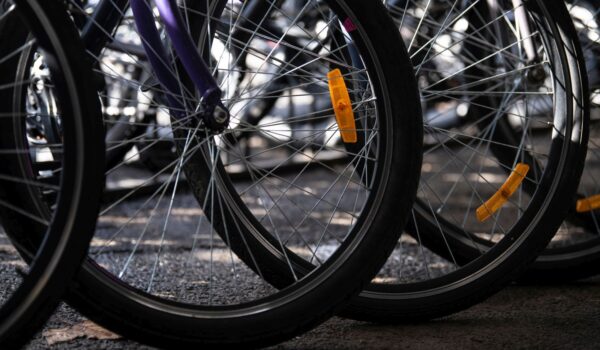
(184, 46)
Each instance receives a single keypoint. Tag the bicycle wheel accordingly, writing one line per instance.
(49, 143)
(166, 263)
(574, 251)
(505, 131)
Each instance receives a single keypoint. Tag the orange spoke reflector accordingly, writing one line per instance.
(507, 189)
(342, 106)
(588, 204)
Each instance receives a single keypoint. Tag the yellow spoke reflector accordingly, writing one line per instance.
(507, 189)
(342, 106)
(588, 204)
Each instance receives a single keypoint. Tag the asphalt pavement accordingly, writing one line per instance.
(520, 317)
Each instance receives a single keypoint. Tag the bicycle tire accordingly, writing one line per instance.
(156, 320)
(574, 252)
(64, 238)
(481, 269)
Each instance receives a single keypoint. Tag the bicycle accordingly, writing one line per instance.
(573, 253)
(506, 117)
(48, 124)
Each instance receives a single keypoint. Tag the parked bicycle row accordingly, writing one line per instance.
(233, 173)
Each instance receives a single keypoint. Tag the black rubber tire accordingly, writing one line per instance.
(65, 242)
(151, 320)
(483, 275)
(573, 261)
(554, 264)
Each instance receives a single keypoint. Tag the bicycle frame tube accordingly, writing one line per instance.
(186, 50)
(105, 19)
(157, 56)
(523, 24)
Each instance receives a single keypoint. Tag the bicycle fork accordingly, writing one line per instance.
(211, 110)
